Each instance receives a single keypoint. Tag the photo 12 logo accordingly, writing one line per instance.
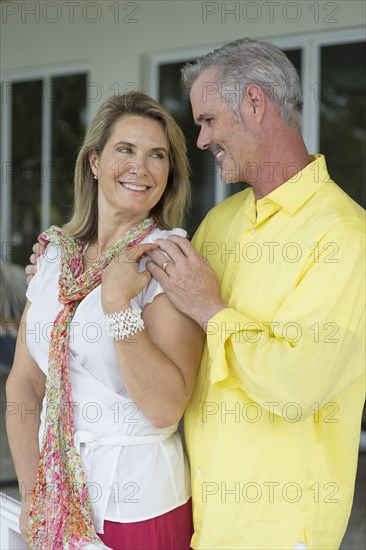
(70, 11)
(270, 12)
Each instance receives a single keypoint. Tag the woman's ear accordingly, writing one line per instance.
(93, 161)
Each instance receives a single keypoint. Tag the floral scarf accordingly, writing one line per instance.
(61, 515)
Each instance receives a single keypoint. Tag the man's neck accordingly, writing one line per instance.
(281, 160)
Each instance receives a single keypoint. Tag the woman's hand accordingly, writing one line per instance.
(121, 281)
(24, 517)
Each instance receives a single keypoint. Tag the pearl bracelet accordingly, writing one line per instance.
(123, 324)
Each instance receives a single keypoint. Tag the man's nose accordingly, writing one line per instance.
(203, 140)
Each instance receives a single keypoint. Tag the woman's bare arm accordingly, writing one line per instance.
(25, 389)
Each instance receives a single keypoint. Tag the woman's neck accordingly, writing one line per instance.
(108, 234)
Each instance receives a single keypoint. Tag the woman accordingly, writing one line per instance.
(111, 460)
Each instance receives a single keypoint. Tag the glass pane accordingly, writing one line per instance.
(295, 58)
(343, 116)
(201, 162)
(68, 127)
(26, 166)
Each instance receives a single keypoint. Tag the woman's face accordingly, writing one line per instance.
(133, 168)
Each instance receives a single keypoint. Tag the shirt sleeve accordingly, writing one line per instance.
(312, 349)
(48, 264)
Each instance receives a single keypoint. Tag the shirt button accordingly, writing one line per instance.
(252, 231)
(201, 424)
(199, 472)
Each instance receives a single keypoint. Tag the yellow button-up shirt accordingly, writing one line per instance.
(273, 426)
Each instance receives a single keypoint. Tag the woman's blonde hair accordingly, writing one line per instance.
(171, 208)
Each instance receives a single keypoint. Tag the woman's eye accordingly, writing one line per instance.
(157, 155)
(124, 150)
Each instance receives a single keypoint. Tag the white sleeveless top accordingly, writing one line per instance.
(134, 470)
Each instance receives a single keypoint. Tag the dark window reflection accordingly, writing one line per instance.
(68, 126)
(343, 116)
(26, 167)
(68, 97)
(201, 162)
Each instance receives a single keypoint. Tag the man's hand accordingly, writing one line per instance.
(188, 280)
(38, 250)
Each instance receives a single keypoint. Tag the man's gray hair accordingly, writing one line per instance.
(244, 62)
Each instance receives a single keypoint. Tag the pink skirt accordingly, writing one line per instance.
(170, 531)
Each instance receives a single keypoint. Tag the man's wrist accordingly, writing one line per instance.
(210, 311)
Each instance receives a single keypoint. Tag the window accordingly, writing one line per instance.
(343, 115)
(201, 162)
(44, 120)
(25, 169)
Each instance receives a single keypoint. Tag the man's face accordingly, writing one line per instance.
(228, 138)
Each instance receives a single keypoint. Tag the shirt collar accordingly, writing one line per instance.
(292, 194)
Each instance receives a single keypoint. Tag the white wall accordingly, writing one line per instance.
(10, 538)
(48, 33)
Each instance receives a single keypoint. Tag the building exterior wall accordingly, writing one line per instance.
(113, 37)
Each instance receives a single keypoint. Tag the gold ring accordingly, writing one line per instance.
(164, 266)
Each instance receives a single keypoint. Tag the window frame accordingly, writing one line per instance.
(7, 79)
(310, 45)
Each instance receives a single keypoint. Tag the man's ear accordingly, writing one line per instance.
(93, 161)
(253, 102)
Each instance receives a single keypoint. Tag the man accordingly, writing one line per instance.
(278, 284)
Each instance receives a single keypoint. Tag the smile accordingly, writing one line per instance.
(134, 186)
(219, 156)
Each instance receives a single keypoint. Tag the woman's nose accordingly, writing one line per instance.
(137, 167)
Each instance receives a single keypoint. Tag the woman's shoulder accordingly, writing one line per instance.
(48, 268)
(164, 234)
(48, 264)
(50, 261)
